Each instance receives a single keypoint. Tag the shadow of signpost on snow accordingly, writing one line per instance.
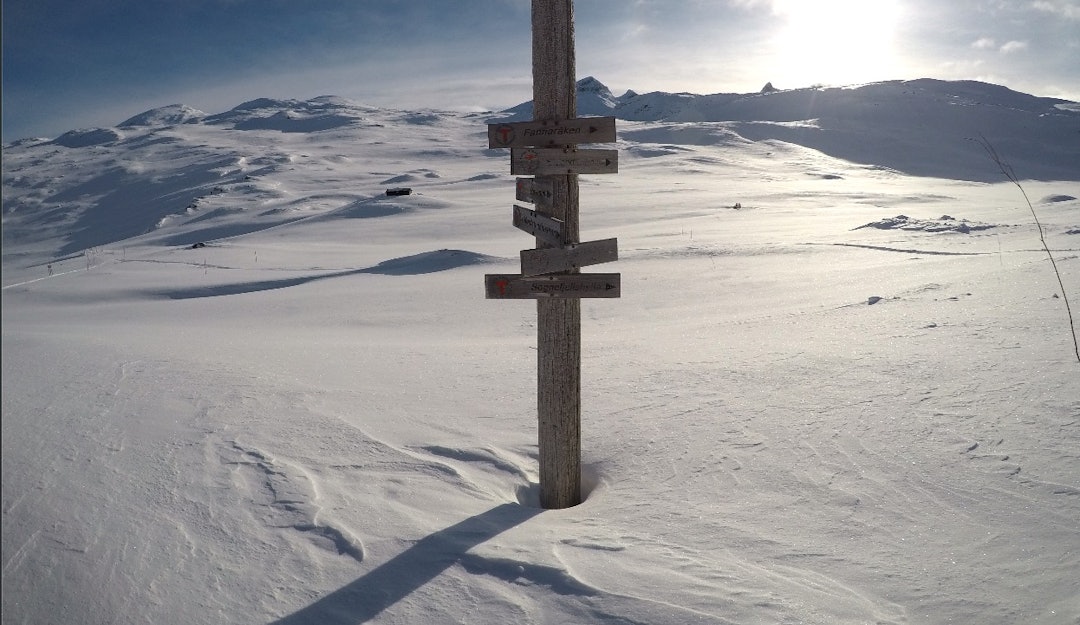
(389, 583)
(416, 264)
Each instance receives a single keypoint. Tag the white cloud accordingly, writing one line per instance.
(1069, 9)
(634, 30)
(959, 69)
(748, 4)
(1013, 46)
(984, 43)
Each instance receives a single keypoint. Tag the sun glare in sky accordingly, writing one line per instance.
(835, 41)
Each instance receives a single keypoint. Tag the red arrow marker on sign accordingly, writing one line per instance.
(561, 162)
(558, 286)
(550, 133)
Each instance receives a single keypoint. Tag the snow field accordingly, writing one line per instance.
(317, 418)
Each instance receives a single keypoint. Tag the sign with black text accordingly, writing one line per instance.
(565, 285)
(535, 191)
(552, 133)
(547, 229)
(563, 162)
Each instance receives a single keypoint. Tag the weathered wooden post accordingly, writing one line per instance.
(558, 394)
(550, 273)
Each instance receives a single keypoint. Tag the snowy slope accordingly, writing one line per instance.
(243, 385)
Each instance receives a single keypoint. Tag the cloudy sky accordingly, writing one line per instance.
(85, 63)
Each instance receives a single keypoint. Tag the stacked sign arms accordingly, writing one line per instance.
(544, 272)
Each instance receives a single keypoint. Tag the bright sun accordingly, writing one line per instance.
(835, 42)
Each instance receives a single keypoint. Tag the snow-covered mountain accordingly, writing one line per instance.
(210, 167)
(922, 127)
(243, 384)
(165, 116)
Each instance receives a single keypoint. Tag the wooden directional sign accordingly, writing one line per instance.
(572, 256)
(562, 286)
(552, 133)
(535, 190)
(547, 229)
(561, 162)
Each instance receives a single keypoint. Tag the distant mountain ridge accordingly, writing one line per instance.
(923, 127)
(780, 105)
(164, 116)
(913, 126)
(183, 176)
(594, 98)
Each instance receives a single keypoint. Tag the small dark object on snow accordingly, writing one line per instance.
(198, 245)
(399, 191)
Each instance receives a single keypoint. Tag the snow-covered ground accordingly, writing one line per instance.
(243, 385)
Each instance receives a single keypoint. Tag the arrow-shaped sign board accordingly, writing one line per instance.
(535, 191)
(552, 133)
(572, 256)
(562, 162)
(547, 229)
(566, 286)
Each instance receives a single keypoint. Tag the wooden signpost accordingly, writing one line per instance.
(563, 161)
(546, 148)
(547, 229)
(568, 257)
(552, 132)
(534, 191)
(565, 285)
